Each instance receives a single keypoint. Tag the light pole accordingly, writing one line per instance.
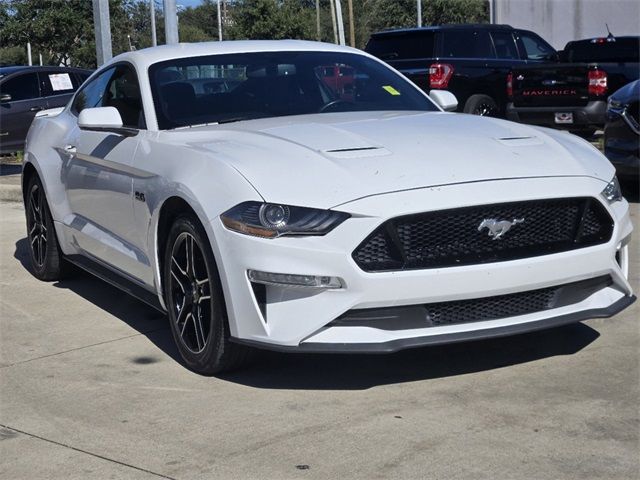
(170, 22)
(102, 27)
(419, 13)
(340, 22)
(219, 23)
(152, 8)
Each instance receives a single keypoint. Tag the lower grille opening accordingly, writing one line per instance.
(473, 310)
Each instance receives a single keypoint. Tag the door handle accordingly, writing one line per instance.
(36, 109)
(70, 148)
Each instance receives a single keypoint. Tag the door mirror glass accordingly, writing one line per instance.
(444, 99)
(5, 97)
(103, 119)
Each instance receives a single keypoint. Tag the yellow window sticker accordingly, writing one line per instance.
(391, 90)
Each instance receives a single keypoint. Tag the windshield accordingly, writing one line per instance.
(245, 86)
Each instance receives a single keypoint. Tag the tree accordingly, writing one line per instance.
(273, 19)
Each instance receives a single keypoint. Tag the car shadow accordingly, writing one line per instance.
(294, 371)
(138, 315)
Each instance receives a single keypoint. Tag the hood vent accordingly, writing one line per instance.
(356, 152)
(524, 141)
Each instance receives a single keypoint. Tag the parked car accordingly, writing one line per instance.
(573, 94)
(471, 61)
(622, 132)
(280, 214)
(24, 91)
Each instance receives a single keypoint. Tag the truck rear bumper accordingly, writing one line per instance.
(592, 115)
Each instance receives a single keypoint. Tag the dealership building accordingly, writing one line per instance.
(559, 21)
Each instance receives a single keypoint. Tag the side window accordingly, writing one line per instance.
(535, 48)
(57, 83)
(505, 45)
(22, 87)
(92, 95)
(123, 93)
(466, 44)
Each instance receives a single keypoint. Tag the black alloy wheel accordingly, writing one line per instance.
(195, 302)
(44, 251)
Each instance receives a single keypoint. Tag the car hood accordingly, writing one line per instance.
(326, 160)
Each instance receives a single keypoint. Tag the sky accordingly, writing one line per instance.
(189, 3)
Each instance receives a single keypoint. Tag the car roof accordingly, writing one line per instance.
(452, 26)
(148, 56)
(4, 71)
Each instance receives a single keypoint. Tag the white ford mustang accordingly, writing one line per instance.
(306, 197)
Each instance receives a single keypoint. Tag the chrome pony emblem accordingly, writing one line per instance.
(497, 228)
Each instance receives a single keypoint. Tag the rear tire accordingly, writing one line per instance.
(482, 105)
(46, 257)
(195, 302)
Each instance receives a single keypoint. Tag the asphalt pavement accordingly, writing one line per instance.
(91, 387)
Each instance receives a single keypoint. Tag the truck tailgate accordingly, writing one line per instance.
(551, 85)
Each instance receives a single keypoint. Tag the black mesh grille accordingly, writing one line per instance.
(492, 308)
(455, 237)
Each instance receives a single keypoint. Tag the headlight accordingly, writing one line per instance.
(270, 220)
(612, 191)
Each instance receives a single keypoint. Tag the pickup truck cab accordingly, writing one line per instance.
(572, 94)
(471, 61)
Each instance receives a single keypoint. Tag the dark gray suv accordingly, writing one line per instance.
(24, 91)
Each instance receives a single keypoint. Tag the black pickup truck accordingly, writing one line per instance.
(471, 61)
(572, 94)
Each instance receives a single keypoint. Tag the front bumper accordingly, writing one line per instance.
(299, 318)
(592, 115)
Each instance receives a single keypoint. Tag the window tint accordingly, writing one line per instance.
(404, 46)
(505, 45)
(535, 48)
(123, 93)
(466, 44)
(620, 50)
(236, 87)
(117, 87)
(93, 92)
(22, 87)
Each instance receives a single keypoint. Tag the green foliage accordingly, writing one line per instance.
(272, 20)
(62, 30)
(13, 56)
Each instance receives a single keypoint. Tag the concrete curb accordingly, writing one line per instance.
(10, 188)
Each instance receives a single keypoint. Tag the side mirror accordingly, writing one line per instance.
(5, 97)
(444, 99)
(104, 119)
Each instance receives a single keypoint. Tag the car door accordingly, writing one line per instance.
(20, 99)
(98, 175)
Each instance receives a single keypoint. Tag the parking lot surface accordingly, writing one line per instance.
(91, 387)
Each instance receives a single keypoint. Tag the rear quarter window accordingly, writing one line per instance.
(466, 44)
(402, 46)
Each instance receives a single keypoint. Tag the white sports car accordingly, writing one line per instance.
(301, 196)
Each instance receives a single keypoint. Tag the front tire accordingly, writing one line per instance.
(44, 251)
(195, 301)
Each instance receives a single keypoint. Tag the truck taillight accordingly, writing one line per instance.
(440, 74)
(510, 85)
(597, 82)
